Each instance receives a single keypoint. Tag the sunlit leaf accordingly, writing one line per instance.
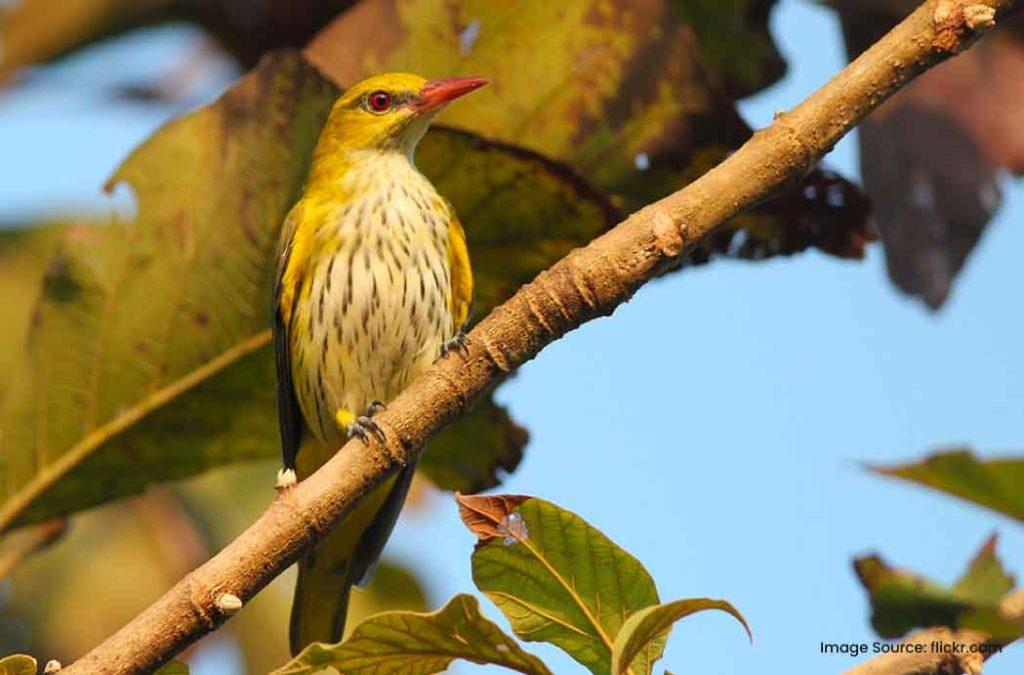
(902, 601)
(997, 484)
(644, 629)
(17, 664)
(556, 578)
(418, 644)
(618, 90)
(24, 255)
(133, 316)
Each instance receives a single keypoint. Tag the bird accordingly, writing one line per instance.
(373, 285)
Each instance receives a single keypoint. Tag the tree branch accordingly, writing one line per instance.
(588, 283)
(936, 661)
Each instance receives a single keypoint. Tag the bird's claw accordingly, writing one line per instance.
(458, 343)
(286, 480)
(374, 407)
(363, 427)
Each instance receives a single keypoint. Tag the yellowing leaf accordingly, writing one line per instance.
(17, 664)
(557, 578)
(997, 484)
(24, 255)
(643, 629)
(418, 644)
(134, 316)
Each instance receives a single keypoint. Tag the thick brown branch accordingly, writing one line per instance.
(588, 283)
(975, 648)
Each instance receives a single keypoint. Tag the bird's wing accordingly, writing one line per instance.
(285, 288)
(462, 274)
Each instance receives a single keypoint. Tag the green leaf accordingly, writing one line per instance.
(557, 578)
(418, 644)
(986, 580)
(173, 668)
(902, 601)
(643, 630)
(17, 664)
(735, 44)
(171, 372)
(997, 484)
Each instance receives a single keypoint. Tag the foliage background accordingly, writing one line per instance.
(722, 449)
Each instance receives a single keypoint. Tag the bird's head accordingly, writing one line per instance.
(393, 111)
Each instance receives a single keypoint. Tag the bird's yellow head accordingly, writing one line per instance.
(391, 111)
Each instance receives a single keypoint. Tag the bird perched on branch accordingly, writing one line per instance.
(373, 284)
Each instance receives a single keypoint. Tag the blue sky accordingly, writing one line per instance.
(715, 426)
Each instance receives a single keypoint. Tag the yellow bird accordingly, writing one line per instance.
(373, 284)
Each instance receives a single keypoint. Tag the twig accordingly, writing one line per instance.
(588, 283)
(960, 652)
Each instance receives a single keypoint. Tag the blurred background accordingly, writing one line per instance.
(716, 427)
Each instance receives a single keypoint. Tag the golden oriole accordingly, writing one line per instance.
(373, 283)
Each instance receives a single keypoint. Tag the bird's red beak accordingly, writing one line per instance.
(437, 93)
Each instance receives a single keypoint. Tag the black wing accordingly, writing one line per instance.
(289, 414)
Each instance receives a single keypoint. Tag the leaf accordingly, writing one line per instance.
(173, 668)
(735, 44)
(617, 90)
(171, 373)
(902, 601)
(133, 317)
(476, 452)
(556, 578)
(418, 644)
(24, 254)
(33, 31)
(931, 157)
(643, 628)
(997, 484)
(985, 579)
(17, 664)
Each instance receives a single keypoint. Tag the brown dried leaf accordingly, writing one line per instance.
(485, 515)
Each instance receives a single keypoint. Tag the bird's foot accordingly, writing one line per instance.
(459, 343)
(286, 480)
(363, 428)
(375, 407)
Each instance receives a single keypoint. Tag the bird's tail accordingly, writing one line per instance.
(321, 601)
(345, 557)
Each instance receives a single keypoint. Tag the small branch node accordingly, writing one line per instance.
(496, 355)
(668, 235)
(228, 604)
(52, 666)
(980, 18)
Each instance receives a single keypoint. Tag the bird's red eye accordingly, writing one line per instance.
(379, 101)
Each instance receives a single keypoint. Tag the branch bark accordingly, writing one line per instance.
(588, 283)
(937, 662)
